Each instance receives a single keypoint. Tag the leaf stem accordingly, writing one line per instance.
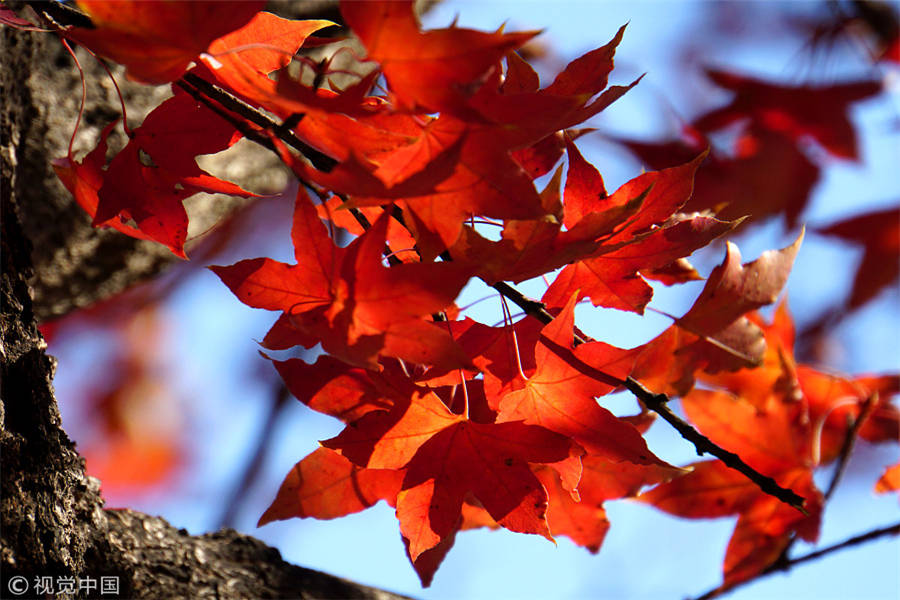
(83, 95)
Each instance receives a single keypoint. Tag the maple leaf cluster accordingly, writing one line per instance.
(786, 420)
(770, 166)
(459, 424)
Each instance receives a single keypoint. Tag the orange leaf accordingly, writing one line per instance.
(879, 233)
(348, 300)
(427, 71)
(560, 394)
(446, 457)
(889, 481)
(157, 40)
(325, 485)
(149, 179)
(711, 489)
(771, 440)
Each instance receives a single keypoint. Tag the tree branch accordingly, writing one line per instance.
(789, 564)
(849, 443)
(254, 467)
(320, 161)
(658, 404)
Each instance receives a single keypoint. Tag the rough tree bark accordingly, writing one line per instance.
(52, 515)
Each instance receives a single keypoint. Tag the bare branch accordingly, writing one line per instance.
(789, 564)
(849, 443)
(254, 467)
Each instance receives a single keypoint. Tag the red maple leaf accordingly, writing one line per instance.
(763, 173)
(519, 115)
(335, 388)
(325, 485)
(243, 59)
(84, 180)
(560, 394)
(254, 62)
(583, 519)
(446, 457)
(495, 352)
(149, 179)
(344, 297)
(776, 442)
(714, 335)
(428, 71)
(879, 233)
(157, 40)
(794, 111)
(652, 239)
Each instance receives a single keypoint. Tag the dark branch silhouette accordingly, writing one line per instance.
(787, 565)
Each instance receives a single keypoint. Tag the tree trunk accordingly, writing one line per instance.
(53, 521)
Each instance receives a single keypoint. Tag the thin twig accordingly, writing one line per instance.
(254, 468)
(849, 442)
(788, 565)
(854, 541)
(853, 427)
(238, 123)
(703, 445)
(658, 404)
(320, 161)
(59, 14)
